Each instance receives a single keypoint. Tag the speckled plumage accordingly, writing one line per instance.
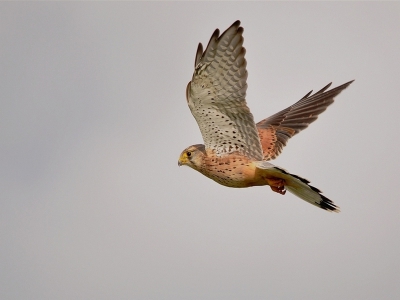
(236, 150)
(216, 96)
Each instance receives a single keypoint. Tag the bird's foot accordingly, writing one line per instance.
(277, 185)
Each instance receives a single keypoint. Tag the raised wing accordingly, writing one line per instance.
(216, 96)
(276, 130)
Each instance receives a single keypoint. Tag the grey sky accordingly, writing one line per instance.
(93, 118)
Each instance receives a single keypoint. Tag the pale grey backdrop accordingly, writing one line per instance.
(93, 118)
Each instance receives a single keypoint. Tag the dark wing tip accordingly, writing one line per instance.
(325, 88)
(345, 85)
(306, 95)
(236, 23)
(199, 53)
(215, 34)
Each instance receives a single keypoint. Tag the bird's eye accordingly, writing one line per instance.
(188, 154)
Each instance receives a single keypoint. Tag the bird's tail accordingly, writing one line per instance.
(299, 187)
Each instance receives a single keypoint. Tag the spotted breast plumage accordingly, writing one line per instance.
(236, 150)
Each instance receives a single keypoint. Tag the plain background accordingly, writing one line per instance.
(93, 118)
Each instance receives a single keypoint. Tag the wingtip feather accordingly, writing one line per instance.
(199, 54)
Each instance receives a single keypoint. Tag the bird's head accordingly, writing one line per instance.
(192, 156)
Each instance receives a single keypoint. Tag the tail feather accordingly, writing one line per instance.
(302, 189)
(299, 186)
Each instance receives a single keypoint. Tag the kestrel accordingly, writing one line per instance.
(236, 151)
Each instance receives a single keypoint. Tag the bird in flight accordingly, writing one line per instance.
(236, 151)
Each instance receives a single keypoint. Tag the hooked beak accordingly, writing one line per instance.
(183, 160)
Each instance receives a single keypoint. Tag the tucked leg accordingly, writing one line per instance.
(277, 185)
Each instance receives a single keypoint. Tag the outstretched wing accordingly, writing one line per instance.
(216, 96)
(276, 130)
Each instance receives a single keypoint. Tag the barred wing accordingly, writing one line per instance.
(216, 96)
(276, 130)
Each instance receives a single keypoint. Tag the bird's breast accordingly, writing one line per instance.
(232, 171)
